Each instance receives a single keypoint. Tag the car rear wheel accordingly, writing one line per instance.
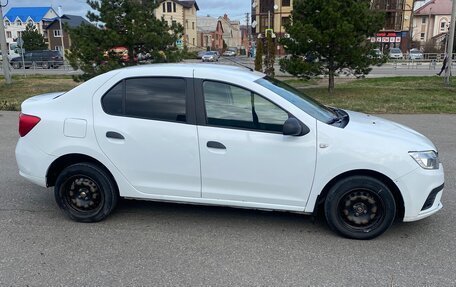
(46, 65)
(360, 207)
(85, 192)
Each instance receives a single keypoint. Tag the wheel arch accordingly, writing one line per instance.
(375, 174)
(69, 159)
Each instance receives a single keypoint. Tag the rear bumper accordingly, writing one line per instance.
(421, 191)
(32, 162)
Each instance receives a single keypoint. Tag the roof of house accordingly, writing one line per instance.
(188, 3)
(435, 7)
(207, 24)
(72, 21)
(23, 13)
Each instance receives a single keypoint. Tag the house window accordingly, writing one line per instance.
(18, 22)
(7, 23)
(285, 21)
(168, 5)
(443, 26)
(164, 7)
(19, 34)
(422, 36)
(286, 3)
(186, 24)
(174, 6)
(9, 35)
(193, 41)
(57, 33)
(174, 23)
(423, 20)
(193, 25)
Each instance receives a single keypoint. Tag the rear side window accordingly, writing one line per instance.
(148, 98)
(112, 100)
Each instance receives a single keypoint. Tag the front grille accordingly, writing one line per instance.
(431, 198)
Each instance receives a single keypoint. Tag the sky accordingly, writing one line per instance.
(235, 9)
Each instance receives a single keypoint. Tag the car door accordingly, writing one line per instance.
(244, 155)
(144, 126)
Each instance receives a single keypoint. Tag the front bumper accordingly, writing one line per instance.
(421, 191)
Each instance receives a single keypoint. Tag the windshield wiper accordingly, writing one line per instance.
(339, 116)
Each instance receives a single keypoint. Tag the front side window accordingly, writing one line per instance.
(297, 98)
(148, 98)
(234, 107)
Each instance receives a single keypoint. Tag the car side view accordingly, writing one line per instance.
(221, 135)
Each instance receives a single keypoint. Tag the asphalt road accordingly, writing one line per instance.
(391, 69)
(157, 244)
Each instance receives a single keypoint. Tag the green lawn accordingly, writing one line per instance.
(382, 95)
(388, 95)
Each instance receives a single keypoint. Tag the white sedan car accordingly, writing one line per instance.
(220, 135)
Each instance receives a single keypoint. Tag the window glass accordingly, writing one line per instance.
(231, 106)
(168, 4)
(112, 100)
(156, 98)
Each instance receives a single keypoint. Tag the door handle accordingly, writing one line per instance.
(114, 135)
(217, 145)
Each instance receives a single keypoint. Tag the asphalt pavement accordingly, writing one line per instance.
(160, 244)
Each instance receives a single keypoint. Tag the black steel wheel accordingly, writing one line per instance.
(85, 192)
(360, 207)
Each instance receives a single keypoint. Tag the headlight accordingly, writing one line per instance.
(426, 159)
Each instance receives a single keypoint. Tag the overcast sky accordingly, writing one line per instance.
(235, 9)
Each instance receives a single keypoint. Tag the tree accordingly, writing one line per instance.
(33, 40)
(330, 37)
(269, 59)
(131, 25)
(259, 55)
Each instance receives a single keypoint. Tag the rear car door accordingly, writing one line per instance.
(145, 126)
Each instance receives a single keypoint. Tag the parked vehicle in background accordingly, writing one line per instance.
(415, 54)
(45, 59)
(210, 56)
(222, 135)
(229, 53)
(200, 54)
(395, 53)
(378, 54)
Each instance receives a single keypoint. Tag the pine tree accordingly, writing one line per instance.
(259, 55)
(328, 37)
(269, 59)
(129, 24)
(33, 40)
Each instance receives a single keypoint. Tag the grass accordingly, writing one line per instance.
(397, 95)
(381, 95)
(11, 96)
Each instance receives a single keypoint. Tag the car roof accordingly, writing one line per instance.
(184, 68)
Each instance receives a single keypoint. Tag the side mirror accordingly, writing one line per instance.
(292, 127)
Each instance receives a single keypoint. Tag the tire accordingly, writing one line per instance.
(46, 65)
(85, 192)
(16, 65)
(360, 207)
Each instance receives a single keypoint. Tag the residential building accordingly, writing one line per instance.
(231, 32)
(55, 33)
(396, 31)
(431, 22)
(184, 13)
(271, 14)
(17, 19)
(210, 33)
(245, 45)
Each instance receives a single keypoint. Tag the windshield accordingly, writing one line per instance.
(297, 98)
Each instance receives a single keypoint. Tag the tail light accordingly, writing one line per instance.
(27, 123)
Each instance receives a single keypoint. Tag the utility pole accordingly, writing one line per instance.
(6, 70)
(61, 34)
(247, 20)
(450, 44)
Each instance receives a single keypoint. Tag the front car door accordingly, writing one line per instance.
(245, 158)
(144, 126)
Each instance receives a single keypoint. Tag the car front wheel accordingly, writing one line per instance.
(360, 207)
(85, 192)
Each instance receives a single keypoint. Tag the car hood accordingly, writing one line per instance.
(385, 129)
